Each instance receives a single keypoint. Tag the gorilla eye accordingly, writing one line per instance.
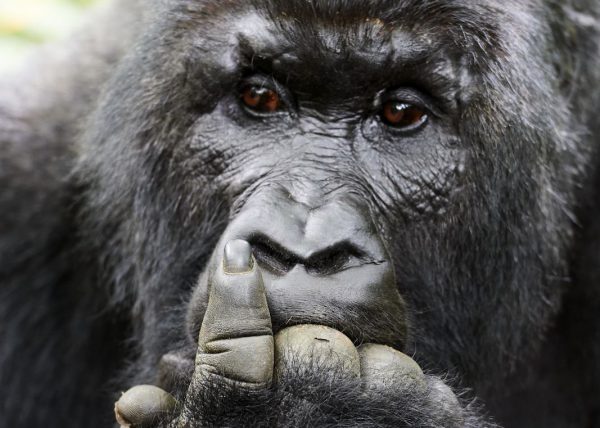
(261, 99)
(403, 115)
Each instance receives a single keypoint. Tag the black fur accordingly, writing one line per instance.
(305, 399)
(113, 192)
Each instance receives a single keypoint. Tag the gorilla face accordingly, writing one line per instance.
(394, 170)
(315, 168)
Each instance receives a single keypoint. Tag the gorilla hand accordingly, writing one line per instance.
(305, 375)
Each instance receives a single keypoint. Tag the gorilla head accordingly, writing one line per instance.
(404, 172)
(370, 154)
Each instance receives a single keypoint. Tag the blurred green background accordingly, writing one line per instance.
(25, 23)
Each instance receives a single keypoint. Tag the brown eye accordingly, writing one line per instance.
(261, 99)
(403, 115)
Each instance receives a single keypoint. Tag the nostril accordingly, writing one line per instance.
(279, 260)
(333, 259)
(272, 256)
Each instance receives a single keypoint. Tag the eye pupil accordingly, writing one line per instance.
(261, 99)
(402, 115)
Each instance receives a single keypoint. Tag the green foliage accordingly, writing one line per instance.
(26, 23)
(83, 2)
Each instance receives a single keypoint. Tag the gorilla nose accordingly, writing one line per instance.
(322, 239)
(279, 259)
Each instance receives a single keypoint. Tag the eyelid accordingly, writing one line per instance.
(410, 96)
(258, 80)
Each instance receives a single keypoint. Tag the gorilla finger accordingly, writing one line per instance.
(236, 338)
(144, 406)
(443, 395)
(383, 366)
(314, 349)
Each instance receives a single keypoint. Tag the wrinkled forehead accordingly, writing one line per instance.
(339, 34)
(371, 28)
(335, 45)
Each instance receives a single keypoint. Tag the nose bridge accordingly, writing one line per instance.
(310, 168)
(324, 205)
(313, 193)
(321, 162)
(307, 180)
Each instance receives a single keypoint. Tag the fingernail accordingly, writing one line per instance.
(237, 257)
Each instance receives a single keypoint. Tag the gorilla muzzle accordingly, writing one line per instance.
(321, 263)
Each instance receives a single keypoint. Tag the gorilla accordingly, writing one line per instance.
(304, 213)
